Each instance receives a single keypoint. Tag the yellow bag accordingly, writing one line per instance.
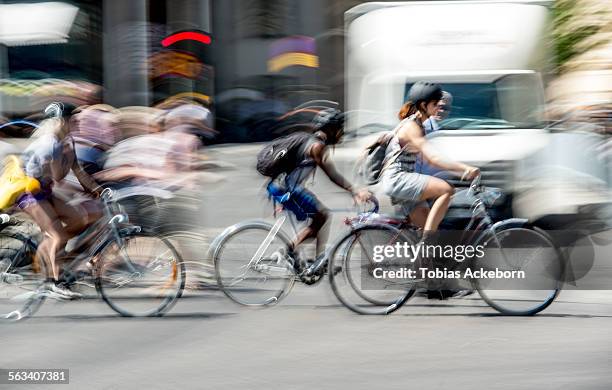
(14, 182)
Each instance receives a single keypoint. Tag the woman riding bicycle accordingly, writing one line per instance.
(407, 188)
(49, 159)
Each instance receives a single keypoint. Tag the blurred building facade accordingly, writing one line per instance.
(286, 51)
(584, 83)
(265, 57)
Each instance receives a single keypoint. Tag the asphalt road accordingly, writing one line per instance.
(309, 341)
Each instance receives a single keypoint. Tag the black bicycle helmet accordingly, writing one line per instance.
(328, 119)
(331, 122)
(423, 91)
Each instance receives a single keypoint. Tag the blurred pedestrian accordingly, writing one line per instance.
(443, 111)
(94, 129)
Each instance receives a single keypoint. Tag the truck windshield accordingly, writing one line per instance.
(504, 104)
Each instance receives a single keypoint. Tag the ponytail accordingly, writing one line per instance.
(408, 109)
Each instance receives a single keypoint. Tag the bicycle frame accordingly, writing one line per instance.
(263, 247)
(481, 222)
(103, 231)
(266, 242)
(477, 229)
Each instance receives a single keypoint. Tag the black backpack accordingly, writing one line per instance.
(374, 160)
(371, 164)
(281, 155)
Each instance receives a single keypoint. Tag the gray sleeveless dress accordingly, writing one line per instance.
(400, 181)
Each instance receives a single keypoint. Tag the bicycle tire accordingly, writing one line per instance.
(228, 279)
(507, 301)
(20, 272)
(372, 305)
(121, 301)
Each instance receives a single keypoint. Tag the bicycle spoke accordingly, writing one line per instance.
(248, 266)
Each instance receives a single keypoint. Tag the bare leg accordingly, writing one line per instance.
(322, 236)
(441, 191)
(75, 217)
(311, 231)
(54, 235)
(418, 216)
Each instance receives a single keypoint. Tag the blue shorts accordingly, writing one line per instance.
(301, 202)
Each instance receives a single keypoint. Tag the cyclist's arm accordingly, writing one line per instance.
(412, 134)
(321, 157)
(130, 172)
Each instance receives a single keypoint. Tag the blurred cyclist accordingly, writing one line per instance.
(444, 109)
(313, 153)
(49, 159)
(163, 163)
(409, 189)
(94, 132)
(167, 151)
(400, 181)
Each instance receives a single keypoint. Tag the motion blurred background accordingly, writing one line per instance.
(532, 88)
(265, 57)
(248, 64)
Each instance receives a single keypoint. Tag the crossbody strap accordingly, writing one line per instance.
(402, 149)
(396, 154)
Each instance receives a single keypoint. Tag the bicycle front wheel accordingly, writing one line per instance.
(250, 265)
(22, 277)
(144, 276)
(365, 283)
(521, 272)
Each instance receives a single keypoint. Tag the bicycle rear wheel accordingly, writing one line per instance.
(21, 278)
(525, 271)
(359, 282)
(143, 277)
(249, 265)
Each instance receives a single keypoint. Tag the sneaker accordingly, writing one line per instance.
(442, 295)
(47, 291)
(83, 277)
(62, 289)
(285, 254)
(323, 269)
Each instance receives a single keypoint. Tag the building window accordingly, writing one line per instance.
(264, 18)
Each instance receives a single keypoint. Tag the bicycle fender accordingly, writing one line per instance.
(510, 223)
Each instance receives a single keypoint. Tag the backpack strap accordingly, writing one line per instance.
(402, 149)
(396, 154)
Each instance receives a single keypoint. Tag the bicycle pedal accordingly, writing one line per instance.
(309, 272)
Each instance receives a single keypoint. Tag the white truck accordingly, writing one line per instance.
(492, 56)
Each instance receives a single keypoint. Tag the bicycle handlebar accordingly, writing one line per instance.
(107, 194)
(475, 185)
(476, 181)
(375, 203)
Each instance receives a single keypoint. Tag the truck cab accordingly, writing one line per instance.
(490, 55)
